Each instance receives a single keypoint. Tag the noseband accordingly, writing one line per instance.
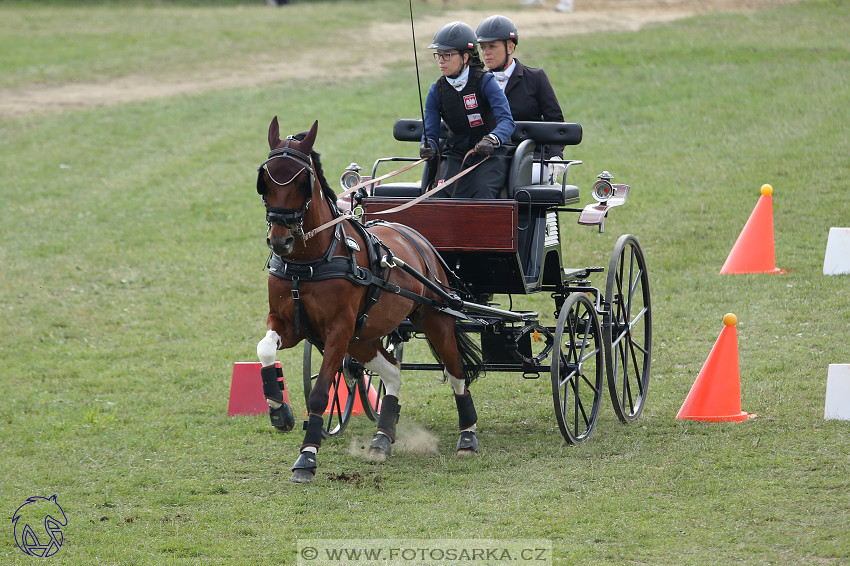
(292, 218)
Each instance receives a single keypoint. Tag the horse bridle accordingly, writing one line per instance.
(292, 218)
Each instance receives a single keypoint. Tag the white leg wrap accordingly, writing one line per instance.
(459, 385)
(390, 373)
(472, 428)
(267, 348)
(312, 449)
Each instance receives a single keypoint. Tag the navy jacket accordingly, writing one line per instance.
(532, 98)
(497, 102)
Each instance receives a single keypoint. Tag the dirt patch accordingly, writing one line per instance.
(590, 16)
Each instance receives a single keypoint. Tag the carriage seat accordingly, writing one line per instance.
(527, 136)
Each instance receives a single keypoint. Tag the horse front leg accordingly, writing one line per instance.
(305, 466)
(280, 412)
(467, 418)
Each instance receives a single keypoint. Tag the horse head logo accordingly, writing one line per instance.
(38, 526)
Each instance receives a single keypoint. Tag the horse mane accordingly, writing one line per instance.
(330, 195)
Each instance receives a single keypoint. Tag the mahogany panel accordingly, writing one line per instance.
(458, 225)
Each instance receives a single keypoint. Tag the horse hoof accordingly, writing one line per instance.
(467, 444)
(304, 468)
(302, 476)
(282, 418)
(380, 448)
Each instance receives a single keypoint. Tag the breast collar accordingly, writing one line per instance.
(330, 266)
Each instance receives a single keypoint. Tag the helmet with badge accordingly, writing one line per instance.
(497, 28)
(456, 35)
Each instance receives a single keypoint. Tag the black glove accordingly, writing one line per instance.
(426, 151)
(487, 145)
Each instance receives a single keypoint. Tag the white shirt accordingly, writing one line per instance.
(461, 81)
(503, 76)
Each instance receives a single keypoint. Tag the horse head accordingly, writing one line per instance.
(287, 181)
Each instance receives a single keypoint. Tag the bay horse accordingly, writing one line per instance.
(337, 288)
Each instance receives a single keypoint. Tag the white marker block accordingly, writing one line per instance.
(838, 392)
(837, 258)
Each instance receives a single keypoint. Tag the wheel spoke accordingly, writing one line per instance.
(627, 389)
(637, 366)
(579, 407)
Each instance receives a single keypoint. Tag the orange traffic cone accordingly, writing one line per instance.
(332, 394)
(716, 393)
(753, 252)
(373, 398)
(357, 408)
(246, 389)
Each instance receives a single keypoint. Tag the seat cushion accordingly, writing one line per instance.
(553, 195)
(398, 190)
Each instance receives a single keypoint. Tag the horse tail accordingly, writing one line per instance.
(470, 355)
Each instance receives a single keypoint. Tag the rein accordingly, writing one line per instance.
(381, 178)
(400, 207)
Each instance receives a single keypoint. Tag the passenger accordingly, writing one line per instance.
(528, 90)
(476, 111)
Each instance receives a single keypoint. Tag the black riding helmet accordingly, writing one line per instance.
(456, 35)
(460, 36)
(498, 28)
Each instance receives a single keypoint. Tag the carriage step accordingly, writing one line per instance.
(581, 273)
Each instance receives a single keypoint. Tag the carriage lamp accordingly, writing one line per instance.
(351, 177)
(603, 190)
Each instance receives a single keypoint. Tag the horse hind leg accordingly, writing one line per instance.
(467, 417)
(280, 413)
(459, 378)
(380, 448)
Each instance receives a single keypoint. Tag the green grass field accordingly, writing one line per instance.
(132, 254)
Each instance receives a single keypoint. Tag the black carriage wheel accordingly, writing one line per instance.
(577, 366)
(628, 329)
(337, 419)
(368, 381)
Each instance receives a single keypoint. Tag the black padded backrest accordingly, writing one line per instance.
(559, 133)
(410, 129)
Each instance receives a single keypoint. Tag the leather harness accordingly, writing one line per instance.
(332, 266)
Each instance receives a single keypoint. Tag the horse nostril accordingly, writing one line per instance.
(281, 245)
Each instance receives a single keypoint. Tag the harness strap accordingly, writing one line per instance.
(296, 297)
(403, 230)
(373, 243)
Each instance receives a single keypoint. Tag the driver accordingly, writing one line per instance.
(476, 112)
(528, 90)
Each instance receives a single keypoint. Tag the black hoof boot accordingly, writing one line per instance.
(282, 418)
(467, 443)
(304, 468)
(380, 448)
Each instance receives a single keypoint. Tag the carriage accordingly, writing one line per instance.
(601, 334)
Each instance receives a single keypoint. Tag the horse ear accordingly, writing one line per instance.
(307, 142)
(274, 134)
